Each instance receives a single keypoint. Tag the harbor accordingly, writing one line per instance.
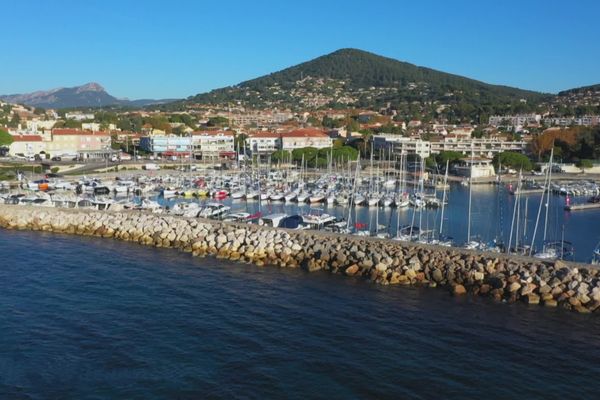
(404, 204)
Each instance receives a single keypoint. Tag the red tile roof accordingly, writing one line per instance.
(212, 133)
(305, 132)
(68, 131)
(265, 134)
(27, 138)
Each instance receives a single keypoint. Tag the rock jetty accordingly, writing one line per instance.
(504, 278)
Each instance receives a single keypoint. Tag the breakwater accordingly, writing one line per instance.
(508, 278)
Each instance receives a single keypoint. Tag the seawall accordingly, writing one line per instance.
(504, 278)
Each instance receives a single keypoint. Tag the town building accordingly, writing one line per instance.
(214, 145)
(84, 144)
(169, 145)
(39, 125)
(514, 120)
(264, 143)
(79, 116)
(475, 168)
(585, 120)
(401, 145)
(483, 147)
(260, 118)
(64, 142)
(306, 137)
(26, 145)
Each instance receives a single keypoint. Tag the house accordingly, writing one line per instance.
(475, 168)
(264, 143)
(307, 137)
(166, 144)
(27, 145)
(214, 145)
(86, 144)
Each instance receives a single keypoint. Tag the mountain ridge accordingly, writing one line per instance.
(90, 94)
(352, 77)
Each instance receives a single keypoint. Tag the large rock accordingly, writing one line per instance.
(352, 270)
(514, 287)
(458, 290)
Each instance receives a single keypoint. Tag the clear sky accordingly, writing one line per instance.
(177, 48)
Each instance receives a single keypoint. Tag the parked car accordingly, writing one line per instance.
(56, 159)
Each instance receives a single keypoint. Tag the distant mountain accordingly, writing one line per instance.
(351, 77)
(591, 89)
(147, 102)
(88, 95)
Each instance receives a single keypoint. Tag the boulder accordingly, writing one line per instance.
(458, 290)
(351, 270)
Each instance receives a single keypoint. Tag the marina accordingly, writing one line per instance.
(392, 204)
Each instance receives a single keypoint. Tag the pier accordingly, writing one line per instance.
(584, 206)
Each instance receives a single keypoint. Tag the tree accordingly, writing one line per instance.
(217, 121)
(449, 156)
(14, 121)
(5, 138)
(584, 164)
(281, 155)
(514, 160)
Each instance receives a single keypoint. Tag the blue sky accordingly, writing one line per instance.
(160, 49)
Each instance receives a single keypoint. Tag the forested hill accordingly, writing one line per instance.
(351, 77)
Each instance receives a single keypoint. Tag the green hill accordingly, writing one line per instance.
(350, 77)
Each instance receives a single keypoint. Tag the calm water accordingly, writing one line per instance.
(491, 217)
(90, 318)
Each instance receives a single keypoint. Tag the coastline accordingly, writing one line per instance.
(502, 277)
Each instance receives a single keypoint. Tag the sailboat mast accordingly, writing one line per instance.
(444, 197)
(470, 195)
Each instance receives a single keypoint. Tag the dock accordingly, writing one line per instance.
(528, 191)
(585, 206)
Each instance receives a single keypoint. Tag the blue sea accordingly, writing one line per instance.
(89, 318)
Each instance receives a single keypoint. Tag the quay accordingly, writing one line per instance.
(505, 278)
(584, 206)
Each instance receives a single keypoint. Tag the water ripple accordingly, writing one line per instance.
(90, 318)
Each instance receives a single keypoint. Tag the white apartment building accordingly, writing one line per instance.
(301, 138)
(214, 144)
(260, 118)
(78, 116)
(264, 142)
(585, 120)
(514, 120)
(477, 147)
(38, 125)
(401, 144)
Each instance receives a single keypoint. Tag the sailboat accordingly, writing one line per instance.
(551, 249)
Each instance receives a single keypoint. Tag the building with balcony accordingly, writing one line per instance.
(214, 145)
(307, 137)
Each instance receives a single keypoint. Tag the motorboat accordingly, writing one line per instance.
(272, 220)
(291, 196)
(213, 210)
(317, 198)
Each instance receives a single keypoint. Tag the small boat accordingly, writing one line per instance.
(291, 196)
(276, 196)
(238, 195)
(303, 197)
(374, 201)
(389, 202)
(220, 194)
(213, 210)
(272, 220)
(317, 198)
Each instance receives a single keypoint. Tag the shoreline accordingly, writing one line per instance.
(502, 277)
